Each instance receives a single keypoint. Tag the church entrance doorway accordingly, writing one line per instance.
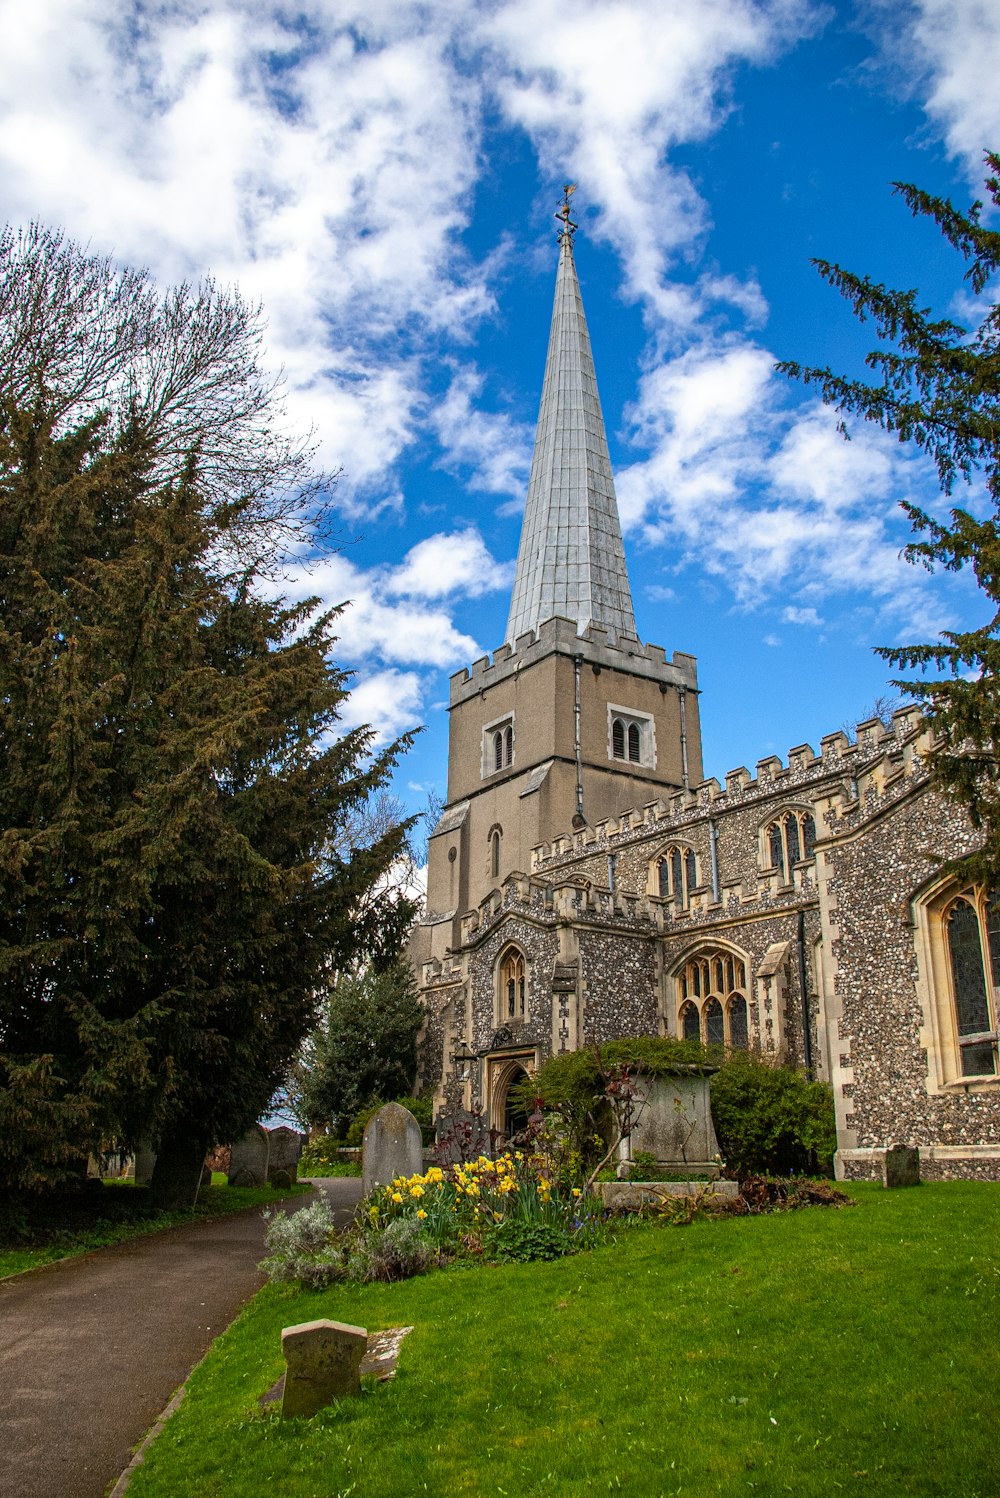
(507, 1115)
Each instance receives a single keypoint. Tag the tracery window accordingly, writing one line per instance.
(711, 1000)
(511, 986)
(789, 840)
(973, 931)
(677, 875)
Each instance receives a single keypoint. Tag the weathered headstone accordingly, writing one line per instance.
(249, 1159)
(323, 1364)
(902, 1166)
(391, 1147)
(284, 1149)
(145, 1162)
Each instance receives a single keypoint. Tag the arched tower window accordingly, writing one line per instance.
(788, 840)
(711, 999)
(618, 739)
(508, 745)
(634, 743)
(496, 834)
(677, 875)
(498, 745)
(512, 994)
(498, 751)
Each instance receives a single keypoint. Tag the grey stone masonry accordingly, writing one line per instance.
(323, 1364)
(571, 561)
(248, 1160)
(391, 1147)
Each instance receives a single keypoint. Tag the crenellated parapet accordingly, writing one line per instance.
(597, 646)
(844, 771)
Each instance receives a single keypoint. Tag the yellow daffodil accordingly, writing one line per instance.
(416, 1190)
(421, 1213)
(396, 1196)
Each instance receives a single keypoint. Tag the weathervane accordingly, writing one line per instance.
(568, 227)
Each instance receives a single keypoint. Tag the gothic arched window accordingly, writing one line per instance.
(711, 997)
(618, 739)
(973, 928)
(634, 743)
(677, 875)
(788, 840)
(508, 745)
(496, 834)
(511, 986)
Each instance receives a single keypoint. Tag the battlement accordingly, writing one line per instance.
(595, 645)
(880, 753)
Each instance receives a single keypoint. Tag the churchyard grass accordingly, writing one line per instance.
(815, 1352)
(36, 1231)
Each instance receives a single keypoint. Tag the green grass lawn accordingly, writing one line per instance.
(816, 1352)
(39, 1230)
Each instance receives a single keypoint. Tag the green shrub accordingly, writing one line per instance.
(396, 1252)
(771, 1120)
(303, 1248)
(516, 1241)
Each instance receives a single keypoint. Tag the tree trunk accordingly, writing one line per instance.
(177, 1172)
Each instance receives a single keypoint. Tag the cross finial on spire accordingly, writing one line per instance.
(568, 227)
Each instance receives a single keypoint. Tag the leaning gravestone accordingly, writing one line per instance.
(249, 1159)
(391, 1147)
(324, 1364)
(284, 1149)
(902, 1166)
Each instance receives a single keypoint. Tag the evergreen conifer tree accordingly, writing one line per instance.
(172, 783)
(938, 386)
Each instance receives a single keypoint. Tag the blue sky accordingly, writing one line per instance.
(383, 177)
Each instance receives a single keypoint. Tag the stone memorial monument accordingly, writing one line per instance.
(248, 1163)
(391, 1147)
(901, 1166)
(323, 1364)
(284, 1149)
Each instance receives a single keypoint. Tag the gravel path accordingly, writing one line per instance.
(92, 1349)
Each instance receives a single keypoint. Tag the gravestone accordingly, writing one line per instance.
(145, 1161)
(323, 1364)
(391, 1147)
(675, 1123)
(249, 1158)
(901, 1166)
(284, 1149)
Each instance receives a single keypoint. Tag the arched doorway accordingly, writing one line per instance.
(515, 1112)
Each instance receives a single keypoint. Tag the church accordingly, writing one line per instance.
(585, 881)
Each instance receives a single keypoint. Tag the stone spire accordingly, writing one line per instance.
(571, 561)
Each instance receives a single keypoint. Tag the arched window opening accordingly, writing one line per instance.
(712, 1002)
(789, 841)
(618, 739)
(634, 743)
(512, 986)
(508, 745)
(515, 1114)
(498, 751)
(974, 953)
(739, 1030)
(495, 836)
(677, 875)
(715, 1028)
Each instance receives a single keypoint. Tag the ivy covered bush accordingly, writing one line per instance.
(771, 1120)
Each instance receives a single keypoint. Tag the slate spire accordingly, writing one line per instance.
(571, 561)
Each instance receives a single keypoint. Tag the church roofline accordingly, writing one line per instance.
(594, 645)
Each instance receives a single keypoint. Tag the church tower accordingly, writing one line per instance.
(573, 719)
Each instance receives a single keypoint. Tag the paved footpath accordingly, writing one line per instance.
(92, 1349)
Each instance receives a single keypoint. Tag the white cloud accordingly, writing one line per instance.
(444, 565)
(802, 616)
(957, 45)
(496, 449)
(388, 701)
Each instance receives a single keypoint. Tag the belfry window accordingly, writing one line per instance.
(511, 985)
(973, 928)
(630, 737)
(711, 1000)
(789, 840)
(677, 875)
(498, 746)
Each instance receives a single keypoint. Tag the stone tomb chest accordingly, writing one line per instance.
(675, 1125)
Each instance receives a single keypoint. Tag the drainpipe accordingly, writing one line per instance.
(682, 694)
(806, 1032)
(713, 846)
(579, 819)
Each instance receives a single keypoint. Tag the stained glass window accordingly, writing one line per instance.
(690, 1023)
(972, 986)
(739, 1035)
(715, 1030)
